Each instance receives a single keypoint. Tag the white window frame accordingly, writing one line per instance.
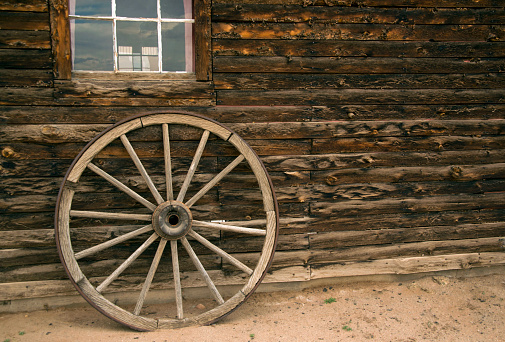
(190, 67)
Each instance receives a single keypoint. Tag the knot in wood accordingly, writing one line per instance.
(8, 152)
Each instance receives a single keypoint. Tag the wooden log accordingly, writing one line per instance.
(29, 21)
(409, 265)
(391, 221)
(344, 239)
(241, 81)
(356, 65)
(136, 88)
(25, 78)
(362, 191)
(337, 31)
(342, 48)
(293, 163)
(17, 39)
(458, 173)
(415, 249)
(392, 144)
(33, 151)
(25, 59)
(275, 130)
(333, 97)
(401, 112)
(409, 205)
(26, 5)
(385, 15)
(376, 3)
(42, 96)
(246, 114)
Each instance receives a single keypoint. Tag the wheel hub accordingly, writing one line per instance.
(172, 220)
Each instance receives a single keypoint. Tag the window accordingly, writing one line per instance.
(132, 35)
(62, 12)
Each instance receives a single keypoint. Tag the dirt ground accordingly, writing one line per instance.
(435, 308)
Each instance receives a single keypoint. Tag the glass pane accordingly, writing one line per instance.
(137, 46)
(176, 9)
(91, 7)
(173, 40)
(92, 45)
(136, 8)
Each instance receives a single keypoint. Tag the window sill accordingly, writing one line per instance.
(128, 76)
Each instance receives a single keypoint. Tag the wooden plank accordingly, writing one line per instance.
(415, 249)
(240, 81)
(400, 112)
(362, 191)
(342, 48)
(17, 39)
(24, 21)
(56, 133)
(397, 144)
(296, 13)
(345, 239)
(377, 3)
(25, 78)
(382, 32)
(409, 265)
(245, 114)
(409, 205)
(25, 59)
(292, 163)
(136, 88)
(25, 5)
(333, 97)
(19, 96)
(459, 173)
(357, 65)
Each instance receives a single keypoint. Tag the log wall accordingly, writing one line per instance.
(381, 123)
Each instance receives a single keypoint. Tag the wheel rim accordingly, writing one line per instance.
(174, 215)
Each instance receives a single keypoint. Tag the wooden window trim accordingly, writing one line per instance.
(60, 41)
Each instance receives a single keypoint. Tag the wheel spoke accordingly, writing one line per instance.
(194, 165)
(142, 170)
(220, 252)
(201, 269)
(177, 279)
(121, 186)
(113, 242)
(236, 229)
(168, 163)
(150, 276)
(215, 180)
(112, 216)
(127, 263)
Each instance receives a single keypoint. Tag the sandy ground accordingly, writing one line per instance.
(435, 308)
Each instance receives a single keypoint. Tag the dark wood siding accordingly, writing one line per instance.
(381, 123)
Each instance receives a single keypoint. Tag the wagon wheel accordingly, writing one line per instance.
(169, 218)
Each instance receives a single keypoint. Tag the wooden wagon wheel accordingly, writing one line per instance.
(170, 217)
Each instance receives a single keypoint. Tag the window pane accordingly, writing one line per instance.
(91, 7)
(136, 8)
(137, 46)
(92, 45)
(175, 9)
(174, 46)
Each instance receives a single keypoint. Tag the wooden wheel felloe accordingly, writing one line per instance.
(137, 196)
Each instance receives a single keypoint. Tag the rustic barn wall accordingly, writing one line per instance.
(381, 123)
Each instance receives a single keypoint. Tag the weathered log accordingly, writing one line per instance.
(24, 21)
(342, 48)
(386, 15)
(17, 39)
(356, 65)
(241, 81)
(383, 32)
